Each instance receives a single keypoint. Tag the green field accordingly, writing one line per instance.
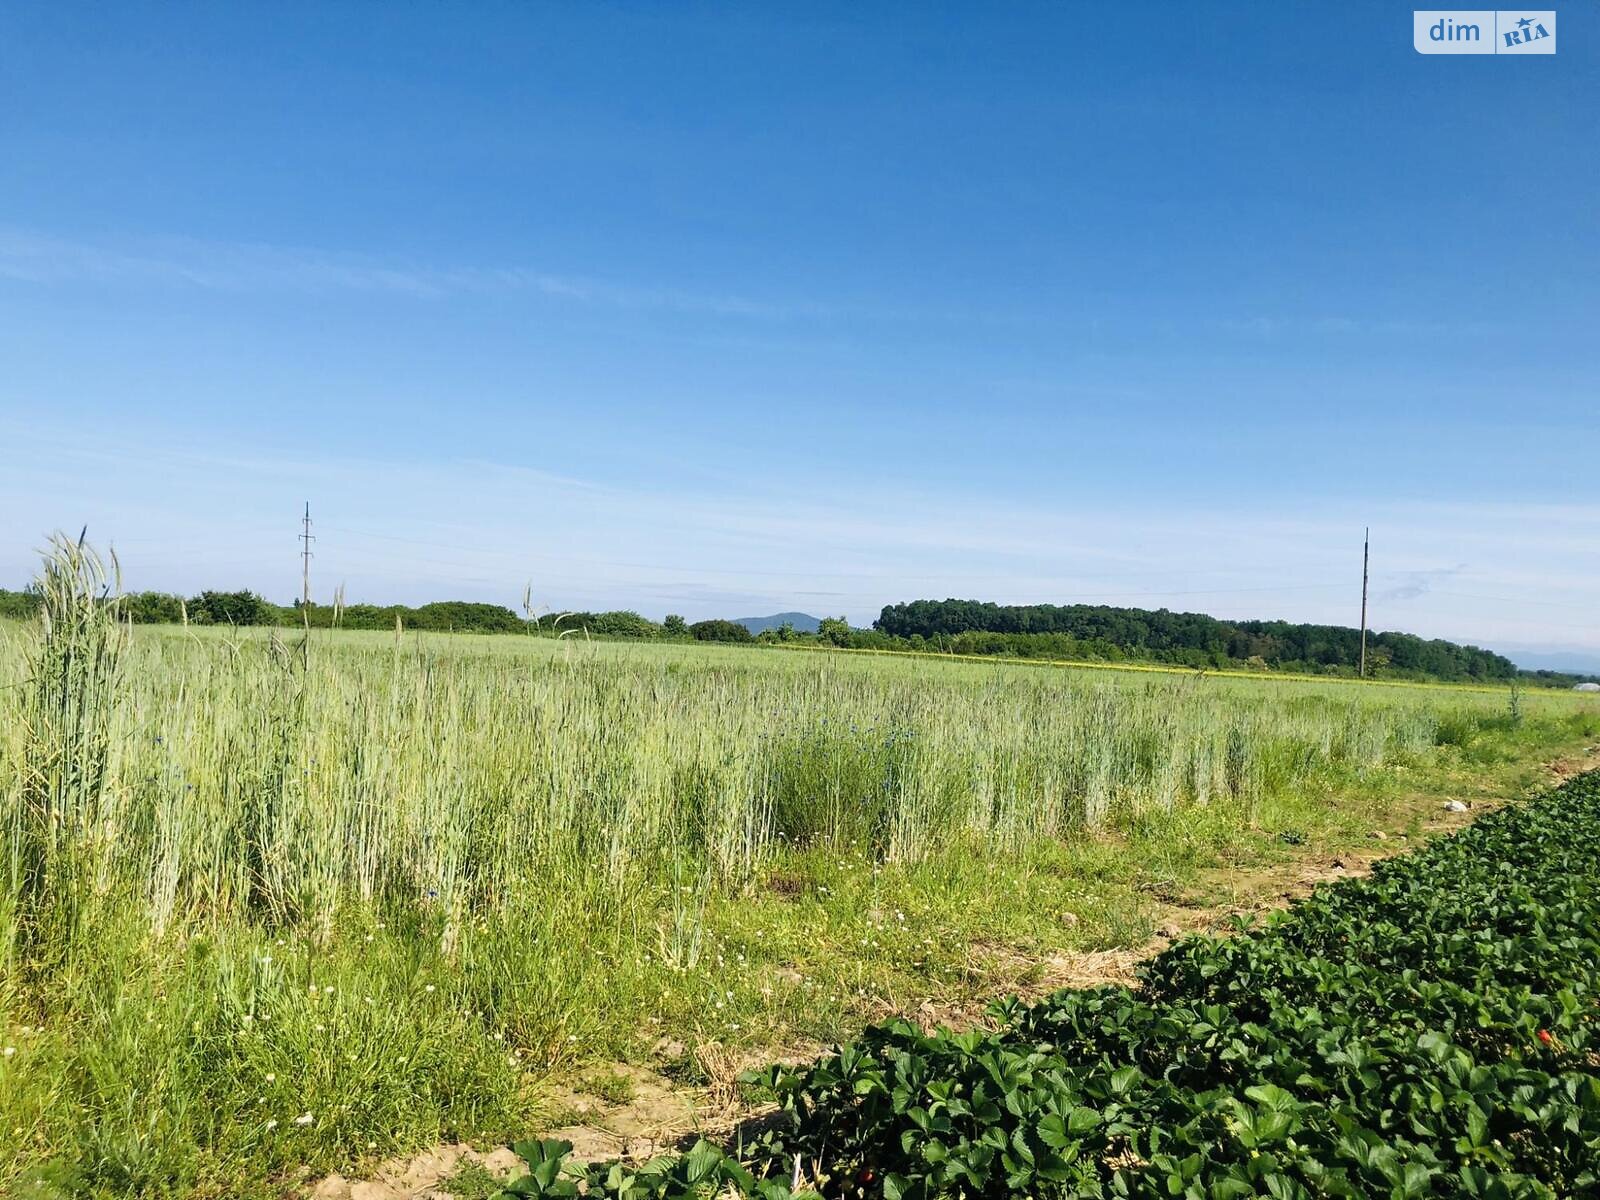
(272, 906)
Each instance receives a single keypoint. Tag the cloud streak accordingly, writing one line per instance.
(31, 257)
(1411, 585)
(28, 257)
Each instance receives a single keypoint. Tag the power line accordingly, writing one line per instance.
(1514, 600)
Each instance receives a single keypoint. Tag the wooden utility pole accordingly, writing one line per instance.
(305, 563)
(1366, 542)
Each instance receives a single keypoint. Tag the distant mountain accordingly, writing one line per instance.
(1573, 662)
(802, 622)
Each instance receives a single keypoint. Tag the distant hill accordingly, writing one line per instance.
(1570, 662)
(802, 622)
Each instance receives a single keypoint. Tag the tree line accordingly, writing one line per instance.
(1185, 639)
(1071, 632)
(246, 608)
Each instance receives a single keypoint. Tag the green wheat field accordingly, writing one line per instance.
(269, 905)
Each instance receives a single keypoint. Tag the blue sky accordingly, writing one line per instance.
(724, 309)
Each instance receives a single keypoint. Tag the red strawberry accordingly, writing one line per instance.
(1544, 1036)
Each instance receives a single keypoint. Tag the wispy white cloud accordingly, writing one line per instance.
(1262, 327)
(34, 257)
(31, 257)
(1409, 585)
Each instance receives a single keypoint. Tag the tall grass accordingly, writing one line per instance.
(369, 883)
(243, 785)
(60, 824)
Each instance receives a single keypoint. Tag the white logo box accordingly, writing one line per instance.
(1484, 31)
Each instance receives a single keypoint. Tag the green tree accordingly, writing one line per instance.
(675, 626)
(464, 616)
(232, 608)
(834, 631)
(19, 604)
(623, 625)
(154, 608)
(720, 631)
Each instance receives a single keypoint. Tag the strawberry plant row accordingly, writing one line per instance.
(1431, 1031)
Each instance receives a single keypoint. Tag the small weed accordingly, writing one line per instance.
(472, 1181)
(611, 1086)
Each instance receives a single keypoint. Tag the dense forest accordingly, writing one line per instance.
(1072, 632)
(1187, 639)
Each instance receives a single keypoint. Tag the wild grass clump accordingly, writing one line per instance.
(60, 821)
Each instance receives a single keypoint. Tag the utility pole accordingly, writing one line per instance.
(306, 539)
(1366, 541)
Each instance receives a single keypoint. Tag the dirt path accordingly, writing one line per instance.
(660, 1114)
